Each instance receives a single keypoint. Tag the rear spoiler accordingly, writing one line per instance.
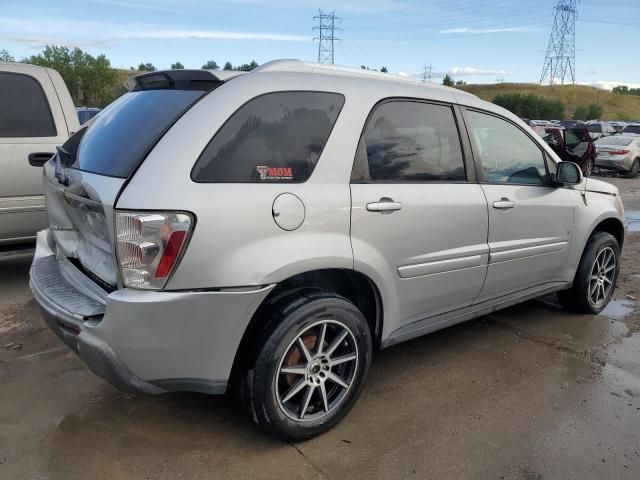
(203, 80)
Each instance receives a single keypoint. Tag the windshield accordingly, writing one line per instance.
(632, 129)
(617, 141)
(595, 128)
(118, 139)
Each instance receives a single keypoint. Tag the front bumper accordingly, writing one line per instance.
(143, 341)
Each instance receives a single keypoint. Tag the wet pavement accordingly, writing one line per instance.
(526, 393)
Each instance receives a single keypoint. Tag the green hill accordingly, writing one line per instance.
(614, 107)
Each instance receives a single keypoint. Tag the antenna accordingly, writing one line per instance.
(326, 28)
(560, 60)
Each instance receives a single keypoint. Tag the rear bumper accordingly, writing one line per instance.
(616, 165)
(143, 341)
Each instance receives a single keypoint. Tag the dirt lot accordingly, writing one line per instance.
(529, 392)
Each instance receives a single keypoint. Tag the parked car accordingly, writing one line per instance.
(620, 153)
(632, 129)
(86, 113)
(599, 129)
(268, 230)
(572, 145)
(36, 115)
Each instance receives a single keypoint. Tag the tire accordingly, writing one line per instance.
(635, 169)
(279, 400)
(589, 295)
(591, 166)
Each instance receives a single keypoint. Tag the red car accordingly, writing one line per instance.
(571, 144)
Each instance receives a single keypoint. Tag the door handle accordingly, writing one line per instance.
(38, 159)
(504, 204)
(385, 205)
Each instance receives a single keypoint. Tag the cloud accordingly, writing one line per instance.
(456, 72)
(91, 33)
(608, 85)
(472, 72)
(485, 31)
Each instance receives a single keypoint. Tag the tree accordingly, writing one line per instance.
(177, 66)
(228, 66)
(5, 57)
(384, 69)
(90, 80)
(245, 67)
(146, 67)
(210, 65)
(461, 82)
(531, 106)
(448, 81)
(621, 89)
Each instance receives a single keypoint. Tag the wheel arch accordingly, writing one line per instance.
(353, 285)
(612, 226)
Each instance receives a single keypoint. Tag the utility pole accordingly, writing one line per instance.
(427, 73)
(560, 60)
(326, 29)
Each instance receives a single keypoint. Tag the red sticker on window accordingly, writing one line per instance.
(274, 173)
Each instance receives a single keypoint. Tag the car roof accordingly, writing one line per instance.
(297, 66)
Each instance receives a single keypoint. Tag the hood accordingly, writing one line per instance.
(598, 186)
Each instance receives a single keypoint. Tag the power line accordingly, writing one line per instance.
(326, 35)
(560, 60)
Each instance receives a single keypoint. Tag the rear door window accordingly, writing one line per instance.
(24, 108)
(410, 141)
(276, 137)
(118, 139)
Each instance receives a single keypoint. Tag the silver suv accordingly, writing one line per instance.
(268, 231)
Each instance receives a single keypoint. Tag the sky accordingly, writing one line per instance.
(472, 40)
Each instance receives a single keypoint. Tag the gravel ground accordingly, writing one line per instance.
(526, 393)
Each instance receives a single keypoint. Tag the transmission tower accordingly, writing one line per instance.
(326, 29)
(427, 73)
(560, 60)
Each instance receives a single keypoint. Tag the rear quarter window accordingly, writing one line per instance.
(276, 137)
(24, 108)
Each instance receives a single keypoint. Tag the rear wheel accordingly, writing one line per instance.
(313, 361)
(595, 279)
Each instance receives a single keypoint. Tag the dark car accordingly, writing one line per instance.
(573, 144)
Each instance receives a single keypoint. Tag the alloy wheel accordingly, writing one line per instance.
(602, 277)
(316, 371)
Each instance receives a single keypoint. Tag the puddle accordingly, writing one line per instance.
(618, 309)
(633, 217)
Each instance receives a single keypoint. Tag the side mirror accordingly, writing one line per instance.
(568, 173)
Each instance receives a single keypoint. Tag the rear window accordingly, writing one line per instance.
(595, 128)
(632, 129)
(24, 109)
(120, 137)
(277, 137)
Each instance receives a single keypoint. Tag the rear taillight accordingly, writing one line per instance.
(149, 246)
(619, 152)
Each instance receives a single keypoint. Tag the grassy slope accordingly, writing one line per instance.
(615, 107)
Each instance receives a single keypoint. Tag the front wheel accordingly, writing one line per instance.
(596, 277)
(311, 367)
